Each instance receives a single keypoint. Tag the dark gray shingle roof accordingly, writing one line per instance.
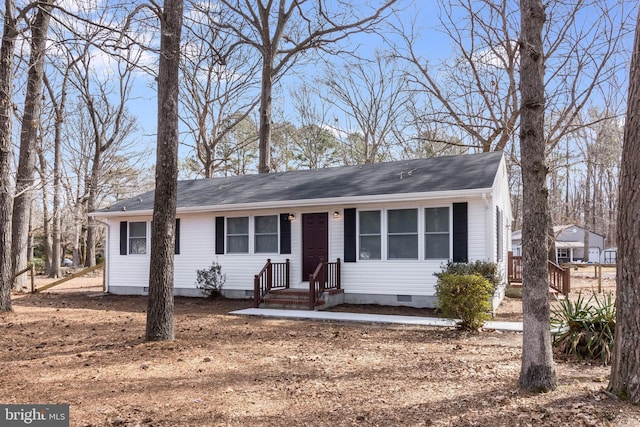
(465, 172)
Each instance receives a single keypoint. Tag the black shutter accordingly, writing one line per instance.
(177, 251)
(350, 235)
(123, 237)
(460, 232)
(219, 235)
(285, 234)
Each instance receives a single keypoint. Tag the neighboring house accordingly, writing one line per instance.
(393, 225)
(569, 244)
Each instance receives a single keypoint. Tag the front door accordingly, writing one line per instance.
(315, 242)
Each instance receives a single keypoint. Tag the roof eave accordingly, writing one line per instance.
(333, 201)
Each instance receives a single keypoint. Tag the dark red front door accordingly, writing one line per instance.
(315, 242)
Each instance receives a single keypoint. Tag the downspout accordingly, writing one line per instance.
(105, 277)
(488, 235)
(486, 200)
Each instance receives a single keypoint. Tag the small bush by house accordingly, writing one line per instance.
(211, 280)
(464, 297)
(486, 269)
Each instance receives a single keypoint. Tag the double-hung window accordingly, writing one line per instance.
(370, 235)
(402, 234)
(238, 235)
(138, 238)
(266, 234)
(436, 233)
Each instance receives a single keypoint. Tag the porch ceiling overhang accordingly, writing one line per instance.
(324, 202)
(569, 245)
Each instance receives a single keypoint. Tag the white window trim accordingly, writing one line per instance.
(226, 235)
(147, 238)
(384, 234)
(252, 225)
(450, 233)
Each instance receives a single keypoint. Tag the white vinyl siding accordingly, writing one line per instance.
(381, 277)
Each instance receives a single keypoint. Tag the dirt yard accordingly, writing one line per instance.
(75, 345)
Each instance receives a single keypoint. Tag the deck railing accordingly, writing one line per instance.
(559, 277)
(325, 277)
(274, 275)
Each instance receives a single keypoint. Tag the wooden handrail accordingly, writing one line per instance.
(559, 277)
(273, 275)
(514, 268)
(314, 292)
(326, 276)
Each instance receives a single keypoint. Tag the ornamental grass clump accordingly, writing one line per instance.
(464, 297)
(585, 328)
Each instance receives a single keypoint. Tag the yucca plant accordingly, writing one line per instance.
(585, 328)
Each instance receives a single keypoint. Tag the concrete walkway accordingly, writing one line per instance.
(370, 318)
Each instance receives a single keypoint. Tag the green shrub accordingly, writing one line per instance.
(464, 297)
(585, 328)
(486, 269)
(38, 264)
(211, 280)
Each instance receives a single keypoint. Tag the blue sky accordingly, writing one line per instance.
(433, 44)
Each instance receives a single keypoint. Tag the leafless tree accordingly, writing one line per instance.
(373, 96)
(9, 36)
(537, 371)
(58, 102)
(625, 367)
(218, 85)
(306, 141)
(283, 31)
(28, 138)
(475, 91)
(160, 319)
(104, 91)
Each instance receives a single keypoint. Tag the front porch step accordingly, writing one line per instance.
(296, 299)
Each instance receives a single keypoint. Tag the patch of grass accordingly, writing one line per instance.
(513, 292)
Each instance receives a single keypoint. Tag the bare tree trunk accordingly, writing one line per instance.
(537, 371)
(588, 212)
(46, 230)
(59, 106)
(90, 258)
(30, 235)
(9, 35)
(28, 137)
(265, 115)
(625, 367)
(160, 319)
